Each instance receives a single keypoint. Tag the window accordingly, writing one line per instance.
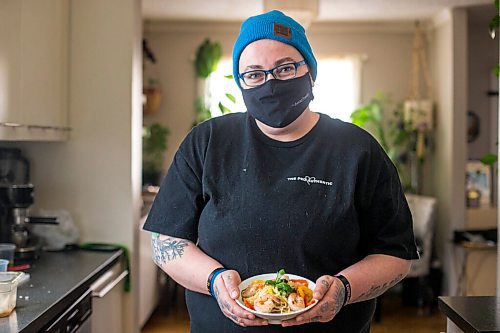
(337, 87)
(336, 90)
(220, 85)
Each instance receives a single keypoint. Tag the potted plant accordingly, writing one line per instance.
(154, 146)
(397, 136)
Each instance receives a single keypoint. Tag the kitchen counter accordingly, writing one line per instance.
(57, 279)
(471, 313)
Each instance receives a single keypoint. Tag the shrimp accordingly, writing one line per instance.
(296, 302)
(251, 290)
(266, 303)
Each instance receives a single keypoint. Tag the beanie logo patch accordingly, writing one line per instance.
(281, 30)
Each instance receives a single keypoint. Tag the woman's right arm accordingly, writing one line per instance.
(184, 262)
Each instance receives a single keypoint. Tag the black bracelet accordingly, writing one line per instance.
(347, 287)
(212, 276)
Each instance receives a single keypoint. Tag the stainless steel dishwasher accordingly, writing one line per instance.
(107, 300)
(76, 318)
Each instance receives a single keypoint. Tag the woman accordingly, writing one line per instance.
(281, 187)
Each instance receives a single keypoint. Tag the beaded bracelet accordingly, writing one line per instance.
(211, 279)
(347, 287)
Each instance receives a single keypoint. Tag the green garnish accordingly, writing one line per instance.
(280, 274)
(284, 288)
(281, 284)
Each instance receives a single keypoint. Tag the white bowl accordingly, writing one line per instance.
(274, 318)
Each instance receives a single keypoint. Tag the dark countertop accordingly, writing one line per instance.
(57, 279)
(472, 313)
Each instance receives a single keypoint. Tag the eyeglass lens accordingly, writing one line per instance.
(282, 72)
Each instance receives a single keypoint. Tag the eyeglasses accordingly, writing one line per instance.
(258, 77)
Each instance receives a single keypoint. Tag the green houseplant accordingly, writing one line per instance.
(208, 56)
(154, 146)
(395, 134)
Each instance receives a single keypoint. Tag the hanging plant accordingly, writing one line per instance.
(207, 58)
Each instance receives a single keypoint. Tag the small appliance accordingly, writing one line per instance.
(14, 167)
(16, 197)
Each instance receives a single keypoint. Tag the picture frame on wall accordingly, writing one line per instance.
(478, 184)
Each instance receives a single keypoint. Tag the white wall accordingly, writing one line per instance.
(386, 45)
(449, 69)
(483, 55)
(96, 174)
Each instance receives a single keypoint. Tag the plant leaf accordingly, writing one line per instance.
(223, 109)
(494, 23)
(497, 4)
(231, 97)
(230, 76)
(361, 116)
(496, 70)
(489, 159)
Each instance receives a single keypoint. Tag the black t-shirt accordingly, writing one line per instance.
(313, 206)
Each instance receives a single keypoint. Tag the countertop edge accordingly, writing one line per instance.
(454, 316)
(72, 295)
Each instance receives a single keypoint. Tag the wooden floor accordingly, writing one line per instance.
(395, 318)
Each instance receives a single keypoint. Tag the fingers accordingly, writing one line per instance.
(224, 284)
(327, 308)
(322, 286)
(231, 280)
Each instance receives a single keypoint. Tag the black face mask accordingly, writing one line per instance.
(277, 103)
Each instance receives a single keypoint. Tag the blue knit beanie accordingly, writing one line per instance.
(273, 25)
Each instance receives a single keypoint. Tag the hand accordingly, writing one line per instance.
(226, 291)
(330, 294)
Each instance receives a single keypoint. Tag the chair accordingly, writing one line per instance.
(422, 210)
(423, 213)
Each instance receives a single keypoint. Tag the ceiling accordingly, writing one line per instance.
(329, 10)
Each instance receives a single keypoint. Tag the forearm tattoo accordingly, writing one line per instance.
(167, 249)
(376, 291)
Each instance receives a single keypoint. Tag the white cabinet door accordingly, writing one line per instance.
(34, 54)
(10, 47)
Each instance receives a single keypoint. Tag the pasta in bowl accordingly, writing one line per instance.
(276, 296)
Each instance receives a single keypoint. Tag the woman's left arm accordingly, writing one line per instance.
(369, 278)
(374, 275)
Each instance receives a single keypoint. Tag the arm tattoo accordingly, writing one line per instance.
(376, 291)
(339, 300)
(168, 249)
(216, 295)
(315, 319)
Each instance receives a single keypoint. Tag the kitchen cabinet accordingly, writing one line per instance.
(480, 260)
(34, 55)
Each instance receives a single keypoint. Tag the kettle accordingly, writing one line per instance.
(14, 167)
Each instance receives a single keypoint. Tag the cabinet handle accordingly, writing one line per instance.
(102, 292)
(40, 127)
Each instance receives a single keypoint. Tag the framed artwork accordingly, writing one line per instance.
(478, 180)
